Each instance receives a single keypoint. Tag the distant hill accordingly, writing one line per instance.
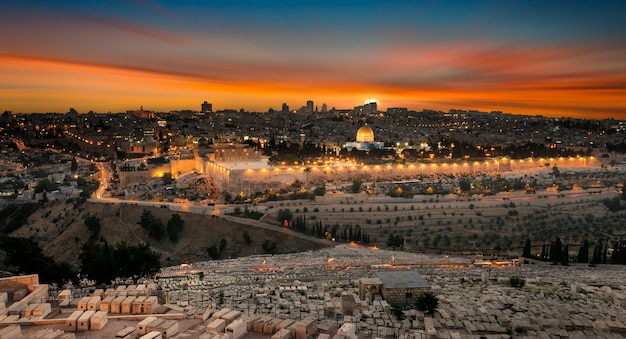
(60, 230)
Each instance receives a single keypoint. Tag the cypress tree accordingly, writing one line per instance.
(615, 257)
(526, 253)
(597, 253)
(565, 256)
(556, 251)
(583, 252)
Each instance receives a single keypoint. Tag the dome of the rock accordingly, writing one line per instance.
(365, 134)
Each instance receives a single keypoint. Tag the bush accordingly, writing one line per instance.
(517, 282)
(269, 247)
(427, 303)
(397, 311)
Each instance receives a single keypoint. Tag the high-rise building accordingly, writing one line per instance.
(285, 108)
(309, 106)
(206, 107)
(371, 107)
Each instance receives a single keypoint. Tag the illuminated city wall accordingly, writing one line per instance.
(219, 174)
(180, 166)
(251, 180)
(254, 180)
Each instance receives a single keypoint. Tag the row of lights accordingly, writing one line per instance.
(411, 166)
(76, 136)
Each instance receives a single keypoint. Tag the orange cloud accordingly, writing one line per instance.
(41, 85)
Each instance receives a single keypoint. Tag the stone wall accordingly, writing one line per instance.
(402, 296)
(128, 179)
(179, 166)
(13, 284)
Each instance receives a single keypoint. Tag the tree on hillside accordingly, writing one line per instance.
(619, 253)
(93, 224)
(74, 165)
(284, 216)
(227, 196)
(583, 252)
(397, 242)
(145, 218)
(223, 243)
(96, 262)
(465, 185)
(155, 230)
(174, 227)
(103, 263)
(526, 253)
(24, 256)
(556, 250)
(356, 186)
(246, 238)
(269, 247)
(136, 261)
(46, 185)
(319, 191)
(153, 224)
(597, 253)
(565, 256)
(212, 252)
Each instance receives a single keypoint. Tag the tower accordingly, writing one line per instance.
(206, 107)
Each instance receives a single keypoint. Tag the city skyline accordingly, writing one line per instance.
(554, 59)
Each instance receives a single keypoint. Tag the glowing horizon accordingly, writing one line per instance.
(164, 56)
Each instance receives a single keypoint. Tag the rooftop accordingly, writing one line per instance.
(402, 279)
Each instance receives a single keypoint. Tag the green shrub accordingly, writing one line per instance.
(517, 282)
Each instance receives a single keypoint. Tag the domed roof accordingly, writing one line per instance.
(365, 134)
(203, 141)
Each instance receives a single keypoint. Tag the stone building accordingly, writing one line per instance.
(396, 287)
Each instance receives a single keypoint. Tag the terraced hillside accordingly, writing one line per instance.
(497, 224)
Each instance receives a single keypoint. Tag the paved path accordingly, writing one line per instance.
(283, 230)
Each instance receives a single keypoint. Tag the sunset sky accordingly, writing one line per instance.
(555, 58)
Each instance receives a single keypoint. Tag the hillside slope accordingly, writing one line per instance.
(60, 230)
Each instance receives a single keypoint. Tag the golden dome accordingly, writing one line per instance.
(365, 134)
